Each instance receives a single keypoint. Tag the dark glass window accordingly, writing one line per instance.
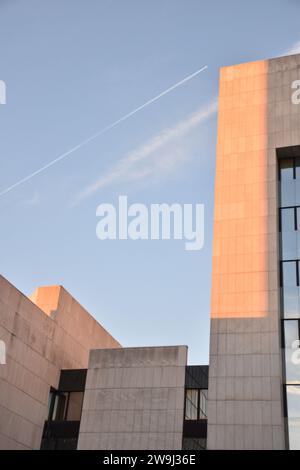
(61, 429)
(298, 218)
(60, 404)
(289, 200)
(65, 406)
(287, 193)
(297, 167)
(203, 404)
(290, 290)
(291, 302)
(297, 183)
(292, 356)
(290, 233)
(288, 219)
(286, 169)
(289, 274)
(74, 406)
(51, 401)
(191, 404)
(291, 332)
(287, 188)
(293, 406)
(195, 403)
(289, 245)
(194, 443)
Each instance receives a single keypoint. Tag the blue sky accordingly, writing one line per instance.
(71, 67)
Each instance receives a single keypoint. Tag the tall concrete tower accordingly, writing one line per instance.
(254, 377)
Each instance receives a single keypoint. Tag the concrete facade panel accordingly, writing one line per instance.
(134, 399)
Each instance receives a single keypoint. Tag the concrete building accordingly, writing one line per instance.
(136, 398)
(43, 335)
(254, 380)
(66, 383)
(131, 399)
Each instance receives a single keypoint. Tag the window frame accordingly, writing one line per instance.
(199, 410)
(54, 397)
(282, 262)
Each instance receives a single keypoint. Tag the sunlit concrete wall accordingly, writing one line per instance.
(134, 399)
(256, 116)
(38, 344)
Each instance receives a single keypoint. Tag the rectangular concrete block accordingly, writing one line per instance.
(245, 311)
(146, 398)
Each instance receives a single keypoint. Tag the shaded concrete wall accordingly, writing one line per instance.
(256, 116)
(38, 345)
(134, 399)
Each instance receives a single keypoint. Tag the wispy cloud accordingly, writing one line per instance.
(148, 160)
(101, 132)
(294, 49)
(32, 201)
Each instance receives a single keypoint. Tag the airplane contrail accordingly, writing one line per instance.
(101, 132)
